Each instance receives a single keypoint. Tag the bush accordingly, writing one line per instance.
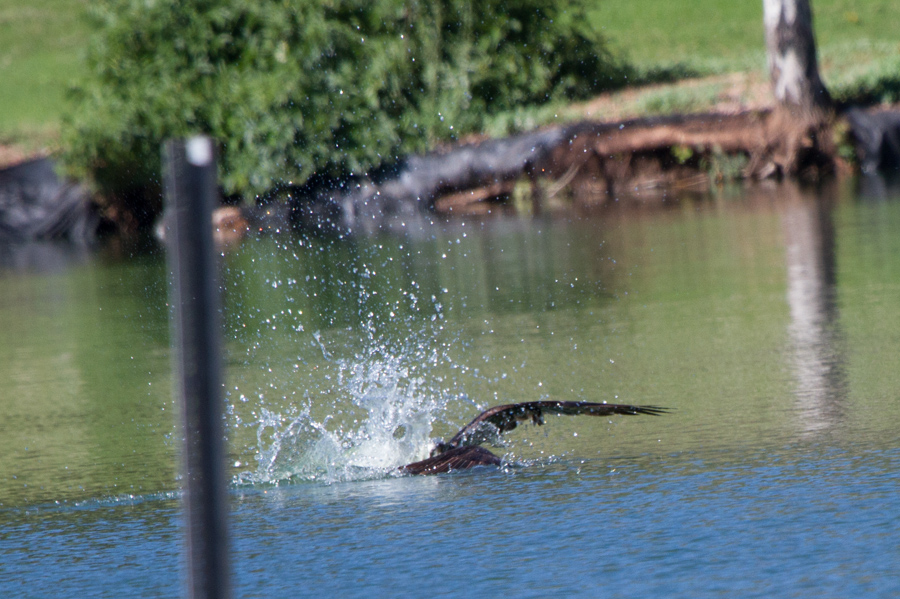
(296, 87)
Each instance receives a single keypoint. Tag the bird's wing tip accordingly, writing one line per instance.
(653, 410)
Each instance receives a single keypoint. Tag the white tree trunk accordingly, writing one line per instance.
(791, 47)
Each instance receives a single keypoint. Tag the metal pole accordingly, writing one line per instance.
(190, 179)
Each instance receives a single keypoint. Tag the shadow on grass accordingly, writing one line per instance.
(881, 89)
(661, 74)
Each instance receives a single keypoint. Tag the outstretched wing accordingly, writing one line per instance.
(491, 423)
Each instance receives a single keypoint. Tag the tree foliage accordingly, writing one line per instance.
(290, 88)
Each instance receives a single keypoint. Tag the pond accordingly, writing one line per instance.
(765, 317)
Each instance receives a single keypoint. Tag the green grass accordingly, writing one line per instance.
(724, 35)
(42, 42)
(707, 35)
(857, 39)
(41, 46)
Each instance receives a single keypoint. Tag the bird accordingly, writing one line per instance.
(464, 449)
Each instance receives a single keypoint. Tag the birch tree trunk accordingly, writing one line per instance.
(791, 48)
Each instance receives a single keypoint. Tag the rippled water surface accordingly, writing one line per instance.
(767, 319)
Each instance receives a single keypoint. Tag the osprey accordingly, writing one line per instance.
(464, 449)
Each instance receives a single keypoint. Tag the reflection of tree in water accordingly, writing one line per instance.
(41, 256)
(815, 332)
(878, 187)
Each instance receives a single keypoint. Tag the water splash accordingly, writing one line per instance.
(356, 398)
(383, 406)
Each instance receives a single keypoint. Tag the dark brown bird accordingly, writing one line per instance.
(464, 449)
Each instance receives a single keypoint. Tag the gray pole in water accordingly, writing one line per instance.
(190, 179)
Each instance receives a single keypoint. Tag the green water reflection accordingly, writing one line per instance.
(766, 317)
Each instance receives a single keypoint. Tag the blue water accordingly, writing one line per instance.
(810, 521)
(767, 320)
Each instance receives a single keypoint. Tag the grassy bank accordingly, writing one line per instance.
(42, 41)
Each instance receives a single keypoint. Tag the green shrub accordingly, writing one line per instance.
(296, 87)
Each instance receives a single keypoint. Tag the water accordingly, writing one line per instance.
(767, 318)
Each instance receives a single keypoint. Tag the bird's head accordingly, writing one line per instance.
(440, 447)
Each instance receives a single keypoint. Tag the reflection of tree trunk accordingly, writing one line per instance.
(811, 289)
(791, 48)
